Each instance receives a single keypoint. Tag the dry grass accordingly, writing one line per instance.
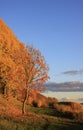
(44, 118)
(9, 106)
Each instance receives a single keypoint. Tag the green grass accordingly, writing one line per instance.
(54, 112)
(46, 111)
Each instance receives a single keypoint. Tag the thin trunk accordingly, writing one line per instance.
(23, 106)
(24, 102)
(5, 91)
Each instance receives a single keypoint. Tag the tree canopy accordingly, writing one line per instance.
(21, 66)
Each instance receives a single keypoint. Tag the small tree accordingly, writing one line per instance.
(36, 72)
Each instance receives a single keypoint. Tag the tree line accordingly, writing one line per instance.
(21, 67)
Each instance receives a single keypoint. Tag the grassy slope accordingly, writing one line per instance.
(37, 119)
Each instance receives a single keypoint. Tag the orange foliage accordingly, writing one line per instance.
(69, 107)
(21, 67)
(38, 100)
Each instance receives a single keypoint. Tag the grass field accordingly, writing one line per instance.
(34, 119)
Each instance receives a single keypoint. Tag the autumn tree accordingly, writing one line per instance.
(7, 70)
(36, 72)
(12, 52)
(21, 67)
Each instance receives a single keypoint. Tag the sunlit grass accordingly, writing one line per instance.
(36, 122)
(35, 118)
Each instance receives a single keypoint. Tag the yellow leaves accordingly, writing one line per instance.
(8, 46)
(7, 61)
(37, 70)
(21, 66)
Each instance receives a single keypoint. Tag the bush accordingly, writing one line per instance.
(52, 102)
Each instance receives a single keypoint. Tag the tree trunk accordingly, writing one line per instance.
(24, 101)
(23, 107)
(5, 91)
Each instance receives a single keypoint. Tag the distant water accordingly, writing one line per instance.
(66, 96)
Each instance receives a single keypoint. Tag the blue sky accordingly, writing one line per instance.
(55, 27)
